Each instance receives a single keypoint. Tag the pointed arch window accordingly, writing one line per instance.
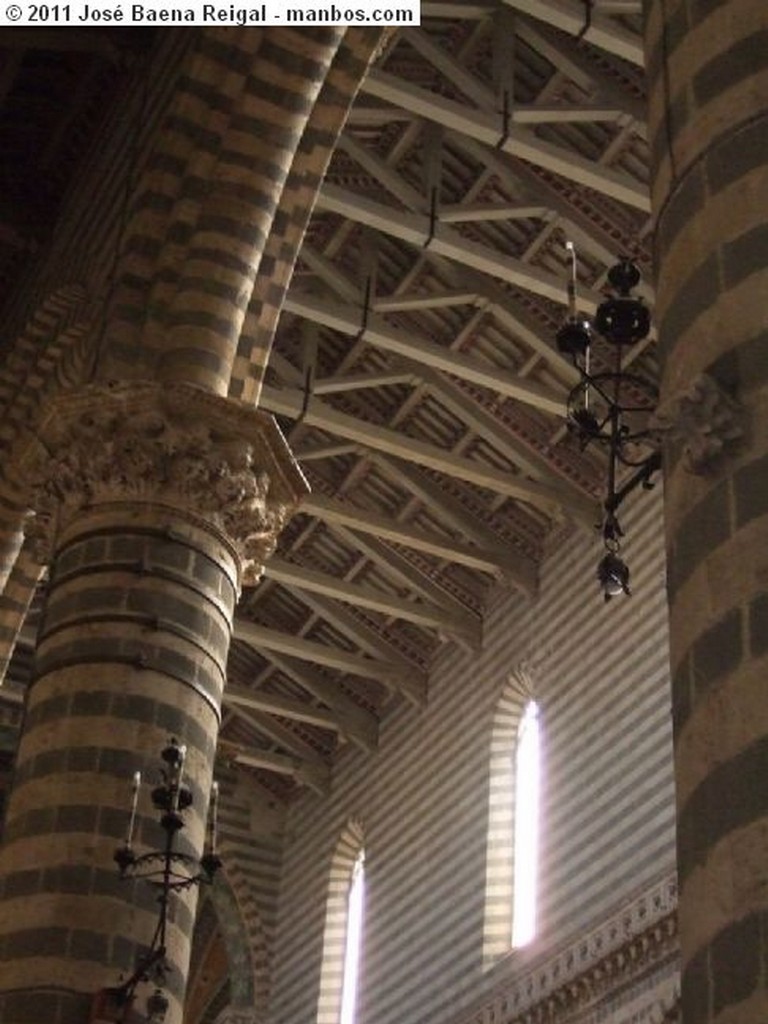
(343, 936)
(354, 940)
(514, 806)
(526, 825)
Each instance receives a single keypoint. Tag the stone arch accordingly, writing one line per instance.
(347, 70)
(516, 692)
(348, 848)
(244, 939)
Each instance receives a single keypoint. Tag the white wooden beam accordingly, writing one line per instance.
(359, 632)
(408, 302)
(358, 381)
(490, 130)
(384, 173)
(415, 229)
(572, 16)
(291, 403)
(567, 113)
(462, 213)
(487, 426)
(263, 638)
(324, 451)
(454, 71)
(358, 595)
(518, 176)
(380, 334)
(358, 725)
(336, 279)
(288, 741)
(257, 699)
(308, 774)
(576, 65)
(495, 560)
(397, 567)
(446, 507)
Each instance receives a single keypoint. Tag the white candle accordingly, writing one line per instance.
(212, 815)
(178, 773)
(135, 786)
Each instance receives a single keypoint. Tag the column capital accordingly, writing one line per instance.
(215, 461)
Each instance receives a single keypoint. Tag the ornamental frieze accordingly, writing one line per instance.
(628, 963)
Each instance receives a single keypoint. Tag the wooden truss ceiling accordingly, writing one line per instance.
(414, 370)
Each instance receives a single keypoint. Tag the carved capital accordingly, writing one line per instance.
(704, 418)
(211, 459)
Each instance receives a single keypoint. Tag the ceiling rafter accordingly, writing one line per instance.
(416, 230)
(357, 724)
(454, 70)
(360, 381)
(422, 613)
(407, 303)
(413, 686)
(492, 560)
(552, 498)
(445, 506)
(267, 726)
(491, 130)
(369, 640)
(487, 426)
(317, 777)
(573, 63)
(462, 213)
(394, 565)
(257, 699)
(377, 332)
(385, 173)
(573, 17)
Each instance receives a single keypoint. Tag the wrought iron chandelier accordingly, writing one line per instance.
(612, 407)
(169, 871)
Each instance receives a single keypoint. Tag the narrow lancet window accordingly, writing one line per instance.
(526, 825)
(353, 942)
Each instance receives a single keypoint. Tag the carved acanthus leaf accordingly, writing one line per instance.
(174, 445)
(704, 418)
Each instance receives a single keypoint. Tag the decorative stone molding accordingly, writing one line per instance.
(704, 418)
(631, 945)
(211, 459)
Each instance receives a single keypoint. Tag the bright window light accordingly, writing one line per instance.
(353, 942)
(527, 792)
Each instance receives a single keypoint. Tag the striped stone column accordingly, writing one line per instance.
(158, 501)
(708, 80)
(205, 206)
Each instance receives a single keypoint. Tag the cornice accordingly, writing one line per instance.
(638, 939)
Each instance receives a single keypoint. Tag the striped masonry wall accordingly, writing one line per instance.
(252, 824)
(708, 119)
(51, 353)
(600, 674)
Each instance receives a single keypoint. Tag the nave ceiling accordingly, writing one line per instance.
(414, 370)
